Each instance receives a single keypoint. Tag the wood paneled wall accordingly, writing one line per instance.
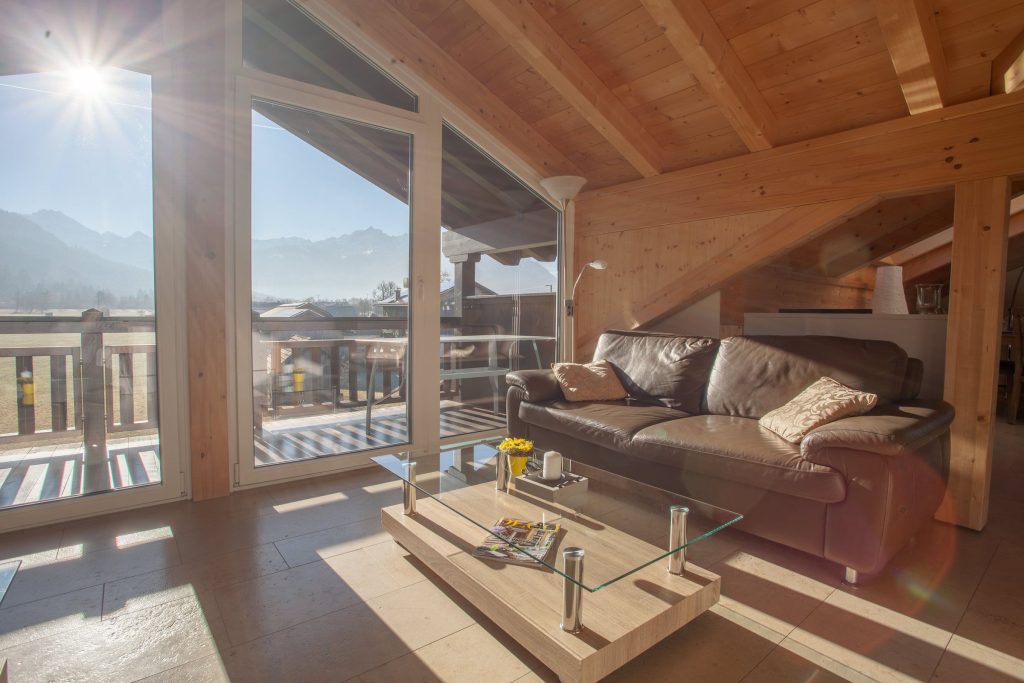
(768, 289)
(641, 262)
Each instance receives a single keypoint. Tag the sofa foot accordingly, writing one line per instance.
(851, 576)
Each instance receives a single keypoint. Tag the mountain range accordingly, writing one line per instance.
(50, 250)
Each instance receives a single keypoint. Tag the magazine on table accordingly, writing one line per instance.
(533, 541)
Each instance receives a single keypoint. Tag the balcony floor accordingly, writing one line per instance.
(32, 473)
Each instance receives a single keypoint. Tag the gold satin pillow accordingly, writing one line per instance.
(824, 401)
(589, 381)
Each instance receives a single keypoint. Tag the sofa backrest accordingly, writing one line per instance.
(754, 375)
(660, 368)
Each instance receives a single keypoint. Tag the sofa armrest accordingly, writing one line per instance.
(893, 429)
(539, 385)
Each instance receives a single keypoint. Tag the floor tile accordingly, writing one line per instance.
(872, 639)
(71, 573)
(791, 661)
(995, 617)
(473, 654)
(378, 569)
(270, 603)
(193, 578)
(710, 648)
(966, 660)
(934, 577)
(333, 541)
(49, 616)
(767, 593)
(346, 643)
(130, 647)
(209, 669)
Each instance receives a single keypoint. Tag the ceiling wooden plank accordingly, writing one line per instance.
(380, 31)
(695, 35)
(916, 50)
(1008, 67)
(786, 232)
(545, 51)
(979, 139)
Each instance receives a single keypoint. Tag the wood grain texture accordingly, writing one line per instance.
(916, 50)
(1008, 67)
(751, 242)
(201, 82)
(695, 35)
(539, 44)
(409, 48)
(980, 229)
(920, 153)
(620, 622)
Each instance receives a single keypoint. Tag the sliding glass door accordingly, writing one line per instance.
(80, 394)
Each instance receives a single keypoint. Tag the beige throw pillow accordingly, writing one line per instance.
(589, 382)
(824, 401)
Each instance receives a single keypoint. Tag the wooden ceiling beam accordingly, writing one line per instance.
(381, 32)
(915, 48)
(915, 154)
(692, 31)
(1008, 67)
(540, 45)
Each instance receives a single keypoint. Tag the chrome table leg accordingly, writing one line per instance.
(572, 592)
(408, 489)
(676, 539)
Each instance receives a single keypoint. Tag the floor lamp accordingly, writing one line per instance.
(563, 189)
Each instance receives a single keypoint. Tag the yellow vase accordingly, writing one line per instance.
(517, 464)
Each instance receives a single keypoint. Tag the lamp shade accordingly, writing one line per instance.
(889, 296)
(563, 187)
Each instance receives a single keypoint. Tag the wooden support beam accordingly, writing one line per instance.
(923, 227)
(1008, 67)
(919, 267)
(915, 48)
(380, 31)
(857, 241)
(200, 80)
(970, 141)
(527, 32)
(697, 38)
(786, 232)
(980, 229)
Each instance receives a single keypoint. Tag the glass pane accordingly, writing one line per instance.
(280, 38)
(330, 265)
(499, 260)
(78, 386)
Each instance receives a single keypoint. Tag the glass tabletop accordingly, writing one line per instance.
(623, 526)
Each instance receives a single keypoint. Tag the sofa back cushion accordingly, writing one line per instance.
(660, 368)
(754, 375)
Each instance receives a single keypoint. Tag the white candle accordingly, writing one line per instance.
(552, 465)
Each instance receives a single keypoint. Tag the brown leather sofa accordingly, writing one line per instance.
(853, 491)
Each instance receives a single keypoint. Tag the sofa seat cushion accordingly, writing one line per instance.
(738, 449)
(611, 424)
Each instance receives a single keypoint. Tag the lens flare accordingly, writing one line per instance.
(86, 81)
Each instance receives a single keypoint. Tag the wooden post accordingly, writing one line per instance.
(94, 419)
(201, 87)
(126, 388)
(980, 227)
(59, 393)
(465, 280)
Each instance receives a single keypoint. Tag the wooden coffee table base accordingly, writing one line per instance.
(620, 622)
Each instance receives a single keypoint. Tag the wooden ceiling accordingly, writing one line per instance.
(622, 89)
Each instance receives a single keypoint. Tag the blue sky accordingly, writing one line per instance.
(91, 158)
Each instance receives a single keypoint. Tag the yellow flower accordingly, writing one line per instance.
(517, 446)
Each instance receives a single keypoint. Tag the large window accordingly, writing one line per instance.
(330, 266)
(499, 244)
(78, 356)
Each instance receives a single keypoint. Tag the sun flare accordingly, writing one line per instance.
(86, 81)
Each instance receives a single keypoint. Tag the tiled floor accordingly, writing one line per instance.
(298, 583)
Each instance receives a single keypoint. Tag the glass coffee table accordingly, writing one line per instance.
(617, 537)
